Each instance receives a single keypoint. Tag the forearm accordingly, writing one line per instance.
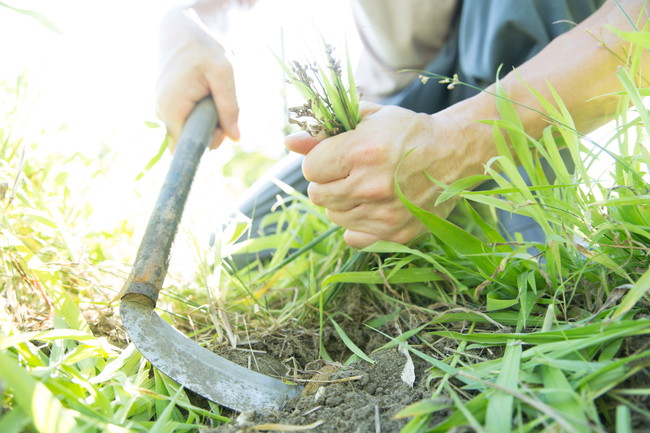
(195, 64)
(580, 66)
(198, 16)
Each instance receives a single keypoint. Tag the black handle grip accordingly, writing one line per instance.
(152, 260)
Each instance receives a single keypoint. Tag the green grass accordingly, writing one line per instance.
(549, 341)
(331, 98)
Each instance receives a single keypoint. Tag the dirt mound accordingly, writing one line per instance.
(361, 397)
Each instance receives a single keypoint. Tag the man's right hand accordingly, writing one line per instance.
(193, 66)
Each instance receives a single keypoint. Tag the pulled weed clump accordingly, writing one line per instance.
(503, 334)
(518, 335)
(331, 107)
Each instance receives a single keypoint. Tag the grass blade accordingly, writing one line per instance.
(47, 413)
(350, 344)
(560, 394)
(500, 405)
(637, 291)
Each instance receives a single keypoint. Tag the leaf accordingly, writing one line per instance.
(460, 186)
(408, 275)
(14, 421)
(154, 160)
(641, 38)
(394, 248)
(452, 236)
(634, 95)
(500, 408)
(476, 408)
(595, 330)
(37, 16)
(350, 344)
(494, 302)
(127, 364)
(68, 309)
(560, 395)
(635, 200)
(554, 157)
(7, 341)
(287, 427)
(42, 219)
(623, 419)
(47, 413)
(518, 140)
(422, 407)
(638, 290)
(164, 422)
(352, 87)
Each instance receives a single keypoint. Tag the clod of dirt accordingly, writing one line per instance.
(358, 398)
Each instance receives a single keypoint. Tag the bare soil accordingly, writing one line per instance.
(360, 397)
(338, 396)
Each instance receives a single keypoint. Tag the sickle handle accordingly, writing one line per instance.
(152, 260)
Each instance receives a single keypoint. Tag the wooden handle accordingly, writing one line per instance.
(152, 260)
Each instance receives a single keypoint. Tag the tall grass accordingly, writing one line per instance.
(64, 362)
(568, 315)
(546, 339)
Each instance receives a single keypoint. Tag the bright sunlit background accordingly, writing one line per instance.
(91, 90)
(96, 79)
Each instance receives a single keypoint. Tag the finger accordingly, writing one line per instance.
(385, 220)
(359, 240)
(217, 138)
(172, 139)
(362, 239)
(356, 189)
(328, 162)
(330, 196)
(359, 218)
(174, 116)
(300, 142)
(173, 109)
(173, 127)
(222, 88)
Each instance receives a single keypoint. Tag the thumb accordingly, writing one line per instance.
(301, 142)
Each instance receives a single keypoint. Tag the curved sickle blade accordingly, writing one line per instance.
(178, 357)
(197, 368)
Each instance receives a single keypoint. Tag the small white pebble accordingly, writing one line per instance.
(245, 418)
(320, 394)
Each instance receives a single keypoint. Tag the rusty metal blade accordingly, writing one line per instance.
(199, 369)
(188, 363)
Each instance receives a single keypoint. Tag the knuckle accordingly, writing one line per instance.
(402, 238)
(314, 196)
(408, 233)
(392, 218)
(308, 169)
(335, 217)
(379, 190)
(371, 153)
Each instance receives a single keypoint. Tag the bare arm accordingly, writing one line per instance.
(355, 185)
(194, 64)
(580, 65)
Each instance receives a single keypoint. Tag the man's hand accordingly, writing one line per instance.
(194, 65)
(352, 174)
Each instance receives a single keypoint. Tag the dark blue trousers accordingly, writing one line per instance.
(487, 36)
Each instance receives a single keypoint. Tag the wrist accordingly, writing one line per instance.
(184, 35)
(473, 138)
